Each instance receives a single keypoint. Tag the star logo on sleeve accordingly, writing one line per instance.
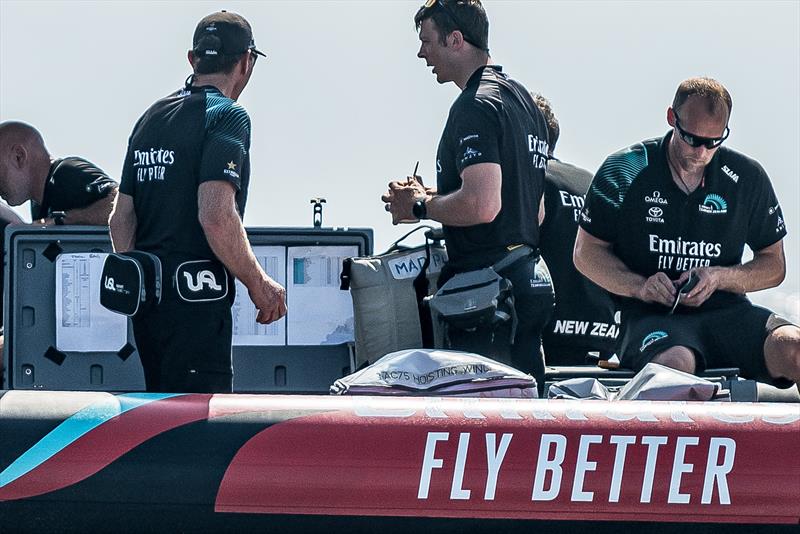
(231, 170)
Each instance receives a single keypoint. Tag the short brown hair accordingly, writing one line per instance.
(466, 16)
(553, 129)
(709, 89)
(216, 64)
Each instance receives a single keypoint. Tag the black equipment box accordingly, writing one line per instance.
(303, 353)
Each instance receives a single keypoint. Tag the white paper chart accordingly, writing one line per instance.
(82, 323)
(319, 312)
(246, 331)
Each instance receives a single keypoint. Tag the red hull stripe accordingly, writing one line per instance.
(538, 460)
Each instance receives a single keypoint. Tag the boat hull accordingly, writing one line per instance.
(252, 459)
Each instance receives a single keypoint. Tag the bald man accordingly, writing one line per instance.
(68, 190)
(62, 191)
(664, 226)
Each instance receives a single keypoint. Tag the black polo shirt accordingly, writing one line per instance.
(192, 136)
(494, 120)
(71, 183)
(654, 226)
(584, 314)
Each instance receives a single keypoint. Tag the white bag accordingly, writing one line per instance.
(436, 372)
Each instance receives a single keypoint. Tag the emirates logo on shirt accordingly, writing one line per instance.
(151, 164)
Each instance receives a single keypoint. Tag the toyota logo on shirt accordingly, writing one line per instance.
(654, 215)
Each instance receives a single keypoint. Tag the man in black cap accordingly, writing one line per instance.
(490, 174)
(182, 197)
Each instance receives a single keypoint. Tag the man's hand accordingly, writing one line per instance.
(269, 298)
(400, 199)
(708, 281)
(657, 289)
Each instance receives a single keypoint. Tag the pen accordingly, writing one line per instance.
(414, 174)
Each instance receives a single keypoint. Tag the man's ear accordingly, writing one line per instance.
(19, 155)
(670, 116)
(244, 61)
(456, 39)
(190, 57)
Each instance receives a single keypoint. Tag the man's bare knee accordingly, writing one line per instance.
(680, 358)
(782, 353)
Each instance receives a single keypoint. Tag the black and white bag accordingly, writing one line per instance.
(130, 282)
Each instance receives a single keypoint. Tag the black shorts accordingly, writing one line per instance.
(732, 336)
(186, 347)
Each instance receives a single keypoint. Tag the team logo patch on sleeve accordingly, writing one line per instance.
(470, 153)
(231, 170)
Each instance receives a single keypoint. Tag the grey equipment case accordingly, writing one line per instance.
(387, 291)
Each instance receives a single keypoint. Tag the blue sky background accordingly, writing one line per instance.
(342, 105)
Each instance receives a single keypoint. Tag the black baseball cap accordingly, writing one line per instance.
(225, 34)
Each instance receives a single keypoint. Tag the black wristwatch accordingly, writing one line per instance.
(58, 217)
(420, 209)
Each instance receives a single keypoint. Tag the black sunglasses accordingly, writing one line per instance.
(695, 140)
(432, 4)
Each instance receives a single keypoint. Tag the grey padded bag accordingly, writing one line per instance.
(386, 308)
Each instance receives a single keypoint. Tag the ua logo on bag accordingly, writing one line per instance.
(201, 281)
(110, 283)
(204, 278)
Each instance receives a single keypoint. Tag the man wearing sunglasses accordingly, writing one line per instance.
(490, 176)
(182, 198)
(681, 205)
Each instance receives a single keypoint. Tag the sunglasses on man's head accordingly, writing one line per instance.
(696, 140)
(431, 4)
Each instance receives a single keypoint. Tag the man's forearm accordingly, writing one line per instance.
(455, 209)
(228, 240)
(97, 213)
(767, 269)
(597, 262)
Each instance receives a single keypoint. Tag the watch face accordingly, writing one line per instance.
(420, 210)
